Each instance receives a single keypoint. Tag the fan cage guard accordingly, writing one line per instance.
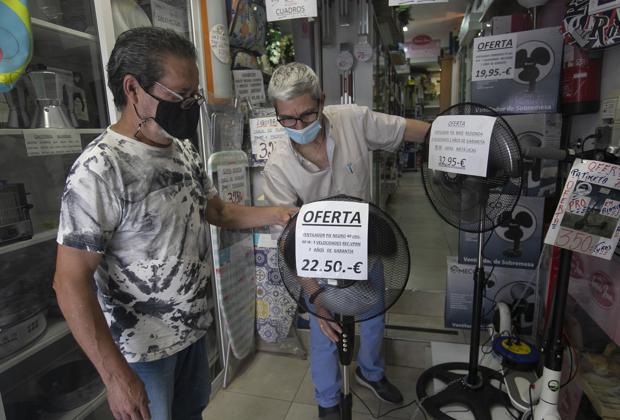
(353, 300)
(471, 203)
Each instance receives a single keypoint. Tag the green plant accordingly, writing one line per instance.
(280, 49)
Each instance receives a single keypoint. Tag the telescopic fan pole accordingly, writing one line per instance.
(346, 346)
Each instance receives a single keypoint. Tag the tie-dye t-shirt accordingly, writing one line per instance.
(145, 209)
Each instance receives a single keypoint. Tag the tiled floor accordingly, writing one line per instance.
(276, 387)
(273, 387)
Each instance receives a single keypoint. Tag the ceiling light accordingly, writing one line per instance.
(405, 29)
(488, 25)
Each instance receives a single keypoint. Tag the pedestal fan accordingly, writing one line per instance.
(351, 301)
(472, 204)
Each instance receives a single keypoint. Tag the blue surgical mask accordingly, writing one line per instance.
(305, 135)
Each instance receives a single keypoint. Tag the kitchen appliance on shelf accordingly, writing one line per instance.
(50, 111)
(15, 222)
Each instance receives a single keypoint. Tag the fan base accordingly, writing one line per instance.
(479, 399)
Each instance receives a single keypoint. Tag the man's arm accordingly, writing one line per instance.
(415, 131)
(234, 216)
(73, 283)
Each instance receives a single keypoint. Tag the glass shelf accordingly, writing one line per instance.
(56, 329)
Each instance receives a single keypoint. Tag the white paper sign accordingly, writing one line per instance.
(249, 84)
(587, 217)
(331, 240)
(45, 142)
(494, 57)
(231, 180)
(266, 134)
(401, 2)
(608, 108)
(169, 17)
(220, 45)
(460, 144)
(290, 9)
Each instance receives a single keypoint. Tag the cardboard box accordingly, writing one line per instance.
(509, 285)
(516, 242)
(538, 130)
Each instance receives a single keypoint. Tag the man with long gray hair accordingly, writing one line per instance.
(134, 218)
(328, 154)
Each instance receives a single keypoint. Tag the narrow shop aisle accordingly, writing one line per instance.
(430, 238)
(276, 387)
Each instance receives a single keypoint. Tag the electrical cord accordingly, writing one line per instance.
(379, 415)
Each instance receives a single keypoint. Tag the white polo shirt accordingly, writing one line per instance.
(351, 132)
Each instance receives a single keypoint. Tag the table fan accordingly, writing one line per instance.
(472, 204)
(351, 301)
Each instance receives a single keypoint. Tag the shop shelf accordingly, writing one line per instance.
(22, 131)
(56, 329)
(80, 412)
(46, 29)
(37, 238)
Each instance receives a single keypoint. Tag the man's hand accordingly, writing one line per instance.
(331, 329)
(127, 397)
(282, 215)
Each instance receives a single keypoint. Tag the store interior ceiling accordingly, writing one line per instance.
(436, 19)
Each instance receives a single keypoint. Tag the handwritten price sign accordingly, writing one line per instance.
(587, 217)
(266, 134)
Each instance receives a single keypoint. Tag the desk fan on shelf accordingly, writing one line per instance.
(472, 204)
(351, 301)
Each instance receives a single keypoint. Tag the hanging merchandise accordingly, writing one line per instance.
(581, 80)
(592, 24)
(15, 42)
(327, 22)
(362, 49)
(248, 26)
(344, 64)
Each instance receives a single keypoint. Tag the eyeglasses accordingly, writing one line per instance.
(306, 118)
(185, 102)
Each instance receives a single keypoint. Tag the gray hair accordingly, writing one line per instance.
(293, 80)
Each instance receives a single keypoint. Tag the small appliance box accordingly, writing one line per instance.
(520, 80)
(516, 287)
(515, 242)
(538, 130)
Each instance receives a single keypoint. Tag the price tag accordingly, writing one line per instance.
(344, 61)
(331, 240)
(460, 144)
(232, 183)
(608, 108)
(588, 213)
(249, 84)
(266, 134)
(494, 57)
(362, 50)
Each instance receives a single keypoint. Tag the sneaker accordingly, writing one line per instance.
(382, 388)
(330, 413)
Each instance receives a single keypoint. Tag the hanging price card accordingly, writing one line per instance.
(587, 217)
(460, 144)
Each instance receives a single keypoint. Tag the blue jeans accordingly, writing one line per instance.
(178, 386)
(324, 361)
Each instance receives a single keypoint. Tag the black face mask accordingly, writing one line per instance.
(178, 122)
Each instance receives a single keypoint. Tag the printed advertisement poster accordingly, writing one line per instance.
(518, 73)
(587, 217)
(538, 130)
(515, 242)
(515, 287)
